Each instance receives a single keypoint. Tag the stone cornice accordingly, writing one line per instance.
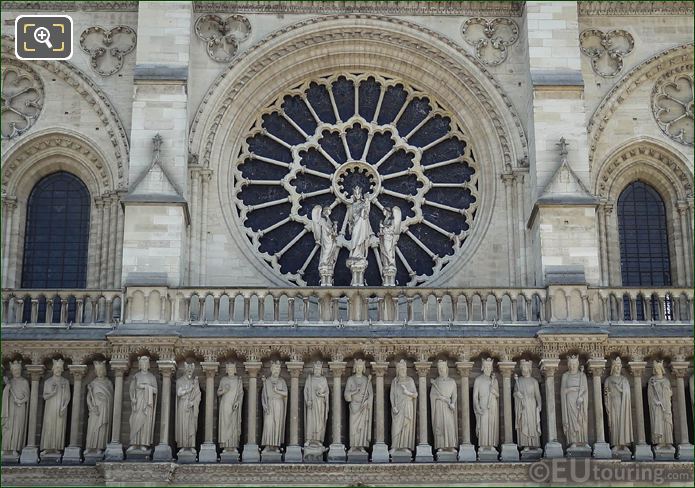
(635, 8)
(464, 8)
(72, 6)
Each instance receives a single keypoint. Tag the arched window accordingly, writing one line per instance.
(57, 233)
(644, 251)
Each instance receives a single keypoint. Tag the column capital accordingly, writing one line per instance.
(210, 367)
(680, 368)
(380, 367)
(166, 366)
(637, 367)
(337, 367)
(119, 366)
(295, 368)
(464, 367)
(35, 370)
(596, 365)
(253, 367)
(423, 368)
(77, 370)
(549, 366)
(506, 368)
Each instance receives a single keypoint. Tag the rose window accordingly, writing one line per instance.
(319, 141)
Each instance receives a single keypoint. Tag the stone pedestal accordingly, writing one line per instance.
(380, 453)
(449, 456)
(357, 455)
(336, 454)
(314, 454)
(187, 456)
(293, 454)
(643, 452)
(162, 453)
(531, 454)
(553, 450)
(10, 457)
(401, 456)
(72, 455)
(467, 453)
(510, 453)
(251, 454)
(602, 450)
(664, 453)
(208, 453)
(91, 457)
(114, 452)
(268, 456)
(487, 454)
(52, 457)
(30, 455)
(685, 452)
(423, 453)
(622, 453)
(357, 267)
(579, 451)
(139, 453)
(228, 456)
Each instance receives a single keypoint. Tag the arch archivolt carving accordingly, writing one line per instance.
(365, 44)
(117, 156)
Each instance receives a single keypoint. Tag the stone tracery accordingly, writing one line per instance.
(22, 98)
(672, 105)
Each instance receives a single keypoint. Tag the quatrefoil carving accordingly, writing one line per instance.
(491, 38)
(606, 50)
(222, 36)
(108, 48)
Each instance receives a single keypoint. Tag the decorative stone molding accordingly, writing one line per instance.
(61, 6)
(672, 105)
(679, 56)
(490, 37)
(95, 97)
(602, 9)
(22, 98)
(510, 9)
(222, 36)
(108, 48)
(606, 50)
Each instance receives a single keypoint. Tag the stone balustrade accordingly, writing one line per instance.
(352, 305)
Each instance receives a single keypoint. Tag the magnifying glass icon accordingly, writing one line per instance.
(43, 36)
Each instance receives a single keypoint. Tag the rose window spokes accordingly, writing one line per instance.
(672, 105)
(22, 99)
(319, 141)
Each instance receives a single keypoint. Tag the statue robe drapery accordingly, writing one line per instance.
(403, 413)
(574, 403)
(315, 416)
(99, 405)
(527, 402)
(187, 405)
(444, 418)
(143, 401)
(619, 410)
(232, 393)
(486, 395)
(56, 394)
(661, 415)
(15, 409)
(274, 410)
(358, 392)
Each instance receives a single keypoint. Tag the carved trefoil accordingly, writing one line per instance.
(222, 35)
(490, 38)
(606, 50)
(108, 48)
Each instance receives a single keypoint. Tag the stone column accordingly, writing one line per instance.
(208, 450)
(643, 451)
(251, 453)
(685, 448)
(510, 451)
(508, 179)
(602, 449)
(293, 452)
(114, 449)
(380, 451)
(9, 206)
(553, 449)
(162, 451)
(466, 449)
(30, 453)
(73, 453)
(105, 239)
(423, 451)
(336, 451)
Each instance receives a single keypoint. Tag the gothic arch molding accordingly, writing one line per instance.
(359, 43)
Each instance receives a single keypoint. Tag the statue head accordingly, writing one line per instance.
(487, 365)
(144, 363)
(526, 367)
(402, 368)
(358, 367)
(659, 368)
(318, 368)
(573, 363)
(616, 366)
(100, 369)
(388, 212)
(275, 369)
(326, 212)
(58, 367)
(188, 369)
(231, 368)
(357, 193)
(16, 369)
(443, 368)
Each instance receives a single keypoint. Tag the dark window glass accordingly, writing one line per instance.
(644, 258)
(57, 233)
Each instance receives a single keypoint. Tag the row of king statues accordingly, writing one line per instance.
(361, 239)
(359, 395)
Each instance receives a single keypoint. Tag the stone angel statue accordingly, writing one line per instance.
(326, 235)
(389, 232)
